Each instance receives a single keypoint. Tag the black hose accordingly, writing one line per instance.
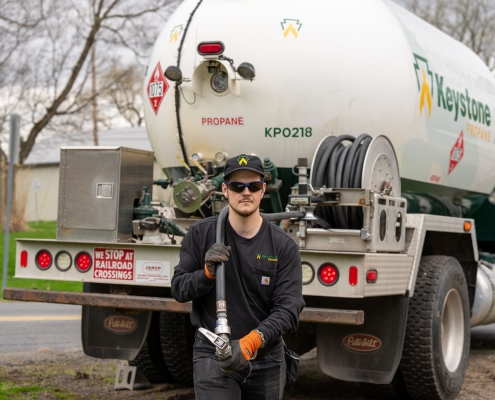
(283, 215)
(339, 166)
(177, 97)
(321, 222)
(220, 238)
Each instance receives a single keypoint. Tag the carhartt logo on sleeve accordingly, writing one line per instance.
(265, 280)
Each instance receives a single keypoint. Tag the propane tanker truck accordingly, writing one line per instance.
(377, 135)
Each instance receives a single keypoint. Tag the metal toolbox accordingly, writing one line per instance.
(99, 188)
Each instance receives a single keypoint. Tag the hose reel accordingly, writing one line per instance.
(364, 163)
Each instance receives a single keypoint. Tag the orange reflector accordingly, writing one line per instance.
(372, 276)
(24, 258)
(353, 276)
(467, 226)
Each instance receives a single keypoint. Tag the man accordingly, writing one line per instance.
(263, 288)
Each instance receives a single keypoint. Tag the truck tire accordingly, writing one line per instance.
(177, 339)
(149, 359)
(436, 344)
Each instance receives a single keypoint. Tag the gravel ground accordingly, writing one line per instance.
(72, 375)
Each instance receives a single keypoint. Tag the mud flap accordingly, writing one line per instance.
(364, 353)
(111, 332)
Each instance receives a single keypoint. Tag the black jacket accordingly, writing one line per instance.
(263, 280)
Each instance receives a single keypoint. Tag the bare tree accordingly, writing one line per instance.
(470, 21)
(126, 100)
(47, 57)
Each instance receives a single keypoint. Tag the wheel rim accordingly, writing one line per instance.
(452, 330)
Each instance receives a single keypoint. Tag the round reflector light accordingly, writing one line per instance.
(63, 260)
(328, 274)
(43, 259)
(83, 261)
(308, 273)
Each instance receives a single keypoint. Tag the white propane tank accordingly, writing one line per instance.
(339, 67)
(483, 312)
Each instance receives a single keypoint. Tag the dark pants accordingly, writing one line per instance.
(263, 378)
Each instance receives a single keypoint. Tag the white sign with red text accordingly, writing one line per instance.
(153, 271)
(114, 264)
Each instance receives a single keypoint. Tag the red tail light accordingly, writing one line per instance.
(328, 274)
(210, 48)
(24, 258)
(372, 276)
(353, 276)
(43, 259)
(83, 261)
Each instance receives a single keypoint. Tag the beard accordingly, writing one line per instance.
(245, 214)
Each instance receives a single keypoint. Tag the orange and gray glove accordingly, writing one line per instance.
(242, 351)
(217, 253)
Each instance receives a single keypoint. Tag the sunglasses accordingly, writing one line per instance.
(238, 187)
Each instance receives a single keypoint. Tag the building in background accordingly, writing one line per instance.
(37, 181)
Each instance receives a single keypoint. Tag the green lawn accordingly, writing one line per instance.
(44, 230)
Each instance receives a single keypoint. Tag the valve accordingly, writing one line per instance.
(145, 209)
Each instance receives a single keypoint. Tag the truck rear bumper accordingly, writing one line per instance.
(317, 315)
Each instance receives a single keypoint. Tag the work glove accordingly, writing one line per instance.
(217, 253)
(236, 361)
(242, 351)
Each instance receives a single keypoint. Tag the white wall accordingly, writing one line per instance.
(40, 205)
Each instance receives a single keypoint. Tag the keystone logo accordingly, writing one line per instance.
(454, 102)
(260, 256)
(362, 342)
(425, 83)
(291, 26)
(243, 160)
(174, 35)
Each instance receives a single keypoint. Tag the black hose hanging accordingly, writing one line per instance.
(339, 166)
(177, 97)
(220, 238)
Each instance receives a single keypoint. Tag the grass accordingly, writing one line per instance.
(9, 391)
(44, 230)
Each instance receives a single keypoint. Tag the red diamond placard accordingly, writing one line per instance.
(456, 153)
(157, 87)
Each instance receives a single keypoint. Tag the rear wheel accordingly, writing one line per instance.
(149, 359)
(177, 339)
(436, 343)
